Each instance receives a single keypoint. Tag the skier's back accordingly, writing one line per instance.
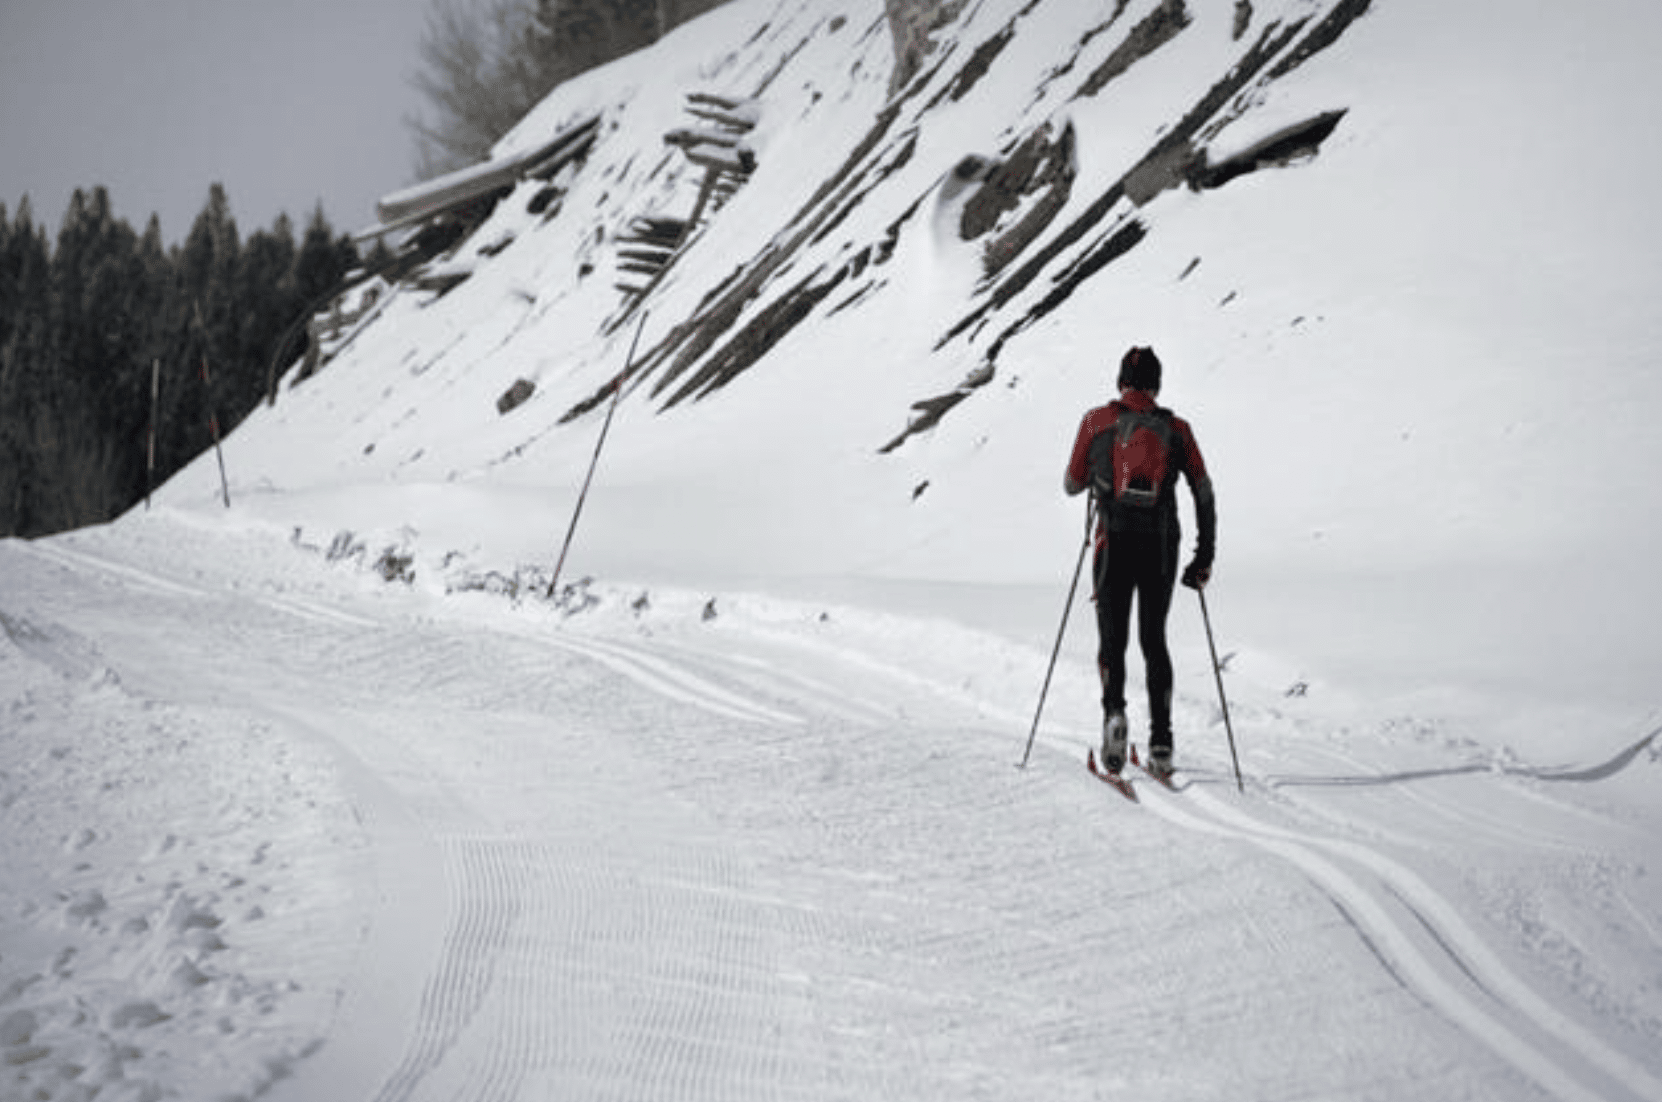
(1130, 453)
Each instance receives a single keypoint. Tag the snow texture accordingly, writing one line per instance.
(321, 797)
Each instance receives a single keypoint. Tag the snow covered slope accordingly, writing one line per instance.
(1419, 361)
(734, 818)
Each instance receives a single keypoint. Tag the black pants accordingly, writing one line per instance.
(1141, 565)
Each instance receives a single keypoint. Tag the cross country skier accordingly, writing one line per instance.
(1129, 453)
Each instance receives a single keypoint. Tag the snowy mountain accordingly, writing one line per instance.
(320, 795)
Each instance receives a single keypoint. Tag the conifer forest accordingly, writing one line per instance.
(121, 357)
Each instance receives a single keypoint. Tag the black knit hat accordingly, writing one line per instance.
(1140, 370)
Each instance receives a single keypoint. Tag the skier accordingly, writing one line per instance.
(1129, 453)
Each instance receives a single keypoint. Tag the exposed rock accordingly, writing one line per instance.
(1159, 27)
(1039, 165)
(911, 23)
(515, 395)
(1292, 143)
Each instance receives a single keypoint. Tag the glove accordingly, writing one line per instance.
(1195, 575)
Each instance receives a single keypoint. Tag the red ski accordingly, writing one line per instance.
(1154, 774)
(1113, 780)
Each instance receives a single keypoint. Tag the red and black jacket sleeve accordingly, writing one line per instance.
(1200, 485)
(1097, 421)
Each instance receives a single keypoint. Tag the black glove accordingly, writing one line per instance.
(1196, 575)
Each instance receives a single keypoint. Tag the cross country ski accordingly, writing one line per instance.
(1161, 776)
(1113, 780)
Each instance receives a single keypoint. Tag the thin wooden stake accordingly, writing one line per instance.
(213, 416)
(617, 392)
(150, 447)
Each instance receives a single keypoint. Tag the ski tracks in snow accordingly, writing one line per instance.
(669, 680)
(569, 971)
(1423, 942)
(155, 585)
(607, 943)
(573, 962)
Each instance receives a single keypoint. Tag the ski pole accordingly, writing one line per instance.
(1217, 673)
(571, 530)
(1090, 514)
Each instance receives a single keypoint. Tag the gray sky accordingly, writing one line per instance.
(285, 102)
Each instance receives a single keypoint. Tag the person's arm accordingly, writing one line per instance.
(1199, 570)
(1078, 476)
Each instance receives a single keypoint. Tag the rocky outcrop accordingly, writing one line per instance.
(912, 23)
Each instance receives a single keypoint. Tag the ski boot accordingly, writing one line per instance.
(1159, 760)
(1113, 742)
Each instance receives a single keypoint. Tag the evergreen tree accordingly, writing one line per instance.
(209, 270)
(266, 298)
(322, 262)
(22, 357)
(8, 278)
(205, 325)
(82, 323)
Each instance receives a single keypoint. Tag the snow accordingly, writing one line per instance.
(318, 797)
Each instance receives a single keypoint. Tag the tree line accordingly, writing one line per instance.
(84, 322)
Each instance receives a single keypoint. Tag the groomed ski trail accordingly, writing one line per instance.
(620, 858)
(1422, 940)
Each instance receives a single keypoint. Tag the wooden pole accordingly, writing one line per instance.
(213, 416)
(617, 392)
(150, 448)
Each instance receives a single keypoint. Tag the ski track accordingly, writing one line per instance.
(562, 974)
(820, 696)
(1456, 943)
(139, 579)
(307, 610)
(670, 681)
(568, 970)
(1460, 819)
(158, 586)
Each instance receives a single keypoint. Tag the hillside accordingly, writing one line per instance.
(734, 816)
(1379, 343)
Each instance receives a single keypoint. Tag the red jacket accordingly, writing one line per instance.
(1188, 460)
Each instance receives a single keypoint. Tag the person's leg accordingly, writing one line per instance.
(1115, 584)
(1157, 579)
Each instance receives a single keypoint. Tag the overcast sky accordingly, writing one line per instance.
(285, 102)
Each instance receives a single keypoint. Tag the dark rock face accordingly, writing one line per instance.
(1012, 202)
(911, 23)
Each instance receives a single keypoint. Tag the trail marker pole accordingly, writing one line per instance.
(1090, 515)
(617, 392)
(213, 415)
(150, 445)
(1217, 672)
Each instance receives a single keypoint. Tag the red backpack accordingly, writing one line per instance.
(1133, 469)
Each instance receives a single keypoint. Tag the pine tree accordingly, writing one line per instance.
(202, 328)
(22, 357)
(82, 324)
(322, 261)
(267, 302)
(8, 278)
